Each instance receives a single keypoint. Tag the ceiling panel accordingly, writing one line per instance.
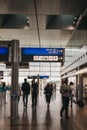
(61, 6)
(17, 6)
(18, 33)
(78, 39)
(55, 34)
(43, 6)
(37, 35)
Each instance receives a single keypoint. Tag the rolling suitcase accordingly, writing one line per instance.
(80, 103)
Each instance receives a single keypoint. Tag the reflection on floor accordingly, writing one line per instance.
(42, 118)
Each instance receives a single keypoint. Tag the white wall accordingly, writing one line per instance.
(84, 81)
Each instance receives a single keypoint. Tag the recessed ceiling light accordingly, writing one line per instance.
(75, 17)
(73, 22)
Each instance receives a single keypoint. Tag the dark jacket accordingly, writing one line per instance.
(26, 88)
(48, 90)
(34, 88)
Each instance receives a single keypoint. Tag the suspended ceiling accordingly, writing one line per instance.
(43, 23)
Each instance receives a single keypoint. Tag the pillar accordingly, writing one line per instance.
(14, 81)
(80, 87)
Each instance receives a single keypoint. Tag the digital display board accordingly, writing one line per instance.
(43, 51)
(4, 54)
(40, 77)
(1, 74)
(43, 54)
(4, 51)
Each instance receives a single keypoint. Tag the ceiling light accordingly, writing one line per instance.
(75, 17)
(73, 22)
(71, 28)
(27, 17)
(26, 27)
(28, 21)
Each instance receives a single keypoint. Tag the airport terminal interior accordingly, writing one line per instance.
(43, 41)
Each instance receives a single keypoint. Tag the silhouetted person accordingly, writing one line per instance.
(34, 93)
(4, 91)
(65, 90)
(48, 93)
(19, 93)
(72, 91)
(26, 91)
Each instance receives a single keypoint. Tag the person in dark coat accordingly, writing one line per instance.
(4, 91)
(48, 90)
(26, 91)
(65, 91)
(72, 92)
(34, 93)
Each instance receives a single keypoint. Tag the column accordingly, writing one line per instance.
(80, 87)
(14, 81)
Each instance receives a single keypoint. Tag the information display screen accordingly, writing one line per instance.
(40, 77)
(4, 50)
(4, 54)
(43, 54)
(43, 51)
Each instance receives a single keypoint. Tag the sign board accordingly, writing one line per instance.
(43, 51)
(4, 54)
(43, 54)
(4, 50)
(40, 77)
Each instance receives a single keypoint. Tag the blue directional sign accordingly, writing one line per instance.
(43, 54)
(43, 51)
(40, 77)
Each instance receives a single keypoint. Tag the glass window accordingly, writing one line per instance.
(36, 68)
(55, 74)
(33, 73)
(44, 68)
(55, 69)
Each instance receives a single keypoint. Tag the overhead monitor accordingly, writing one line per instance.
(4, 54)
(4, 50)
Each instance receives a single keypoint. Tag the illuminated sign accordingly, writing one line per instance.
(43, 51)
(40, 77)
(4, 54)
(4, 50)
(43, 54)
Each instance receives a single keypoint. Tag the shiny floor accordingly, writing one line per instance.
(42, 118)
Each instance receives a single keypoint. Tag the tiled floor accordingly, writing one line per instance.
(43, 118)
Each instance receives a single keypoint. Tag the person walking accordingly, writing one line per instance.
(48, 93)
(34, 93)
(19, 93)
(4, 92)
(26, 91)
(72, 92)
(65, 90)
